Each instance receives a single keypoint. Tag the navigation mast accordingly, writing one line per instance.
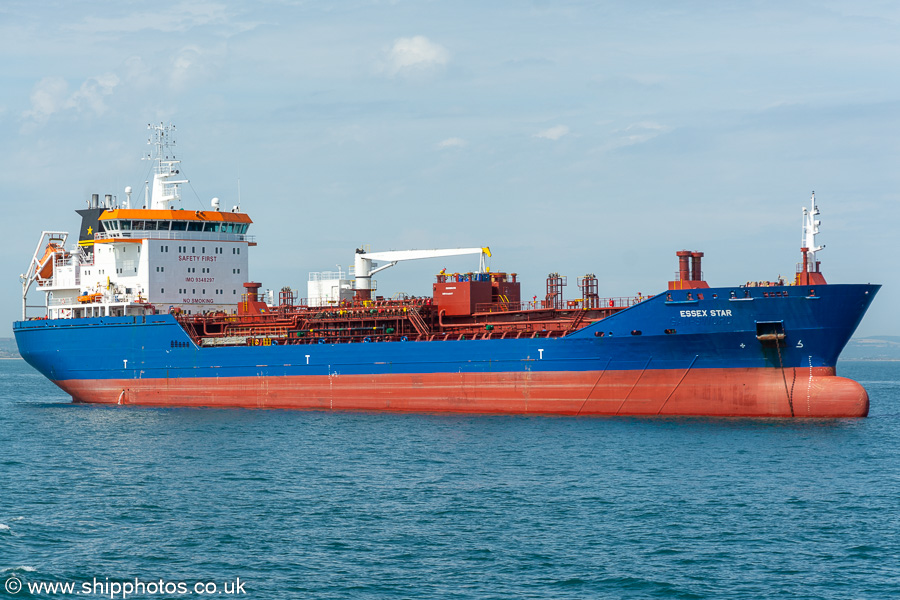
(166, 189)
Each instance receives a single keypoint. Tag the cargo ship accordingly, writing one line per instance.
(154, 306)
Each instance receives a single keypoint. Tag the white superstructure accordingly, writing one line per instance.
(130, 261)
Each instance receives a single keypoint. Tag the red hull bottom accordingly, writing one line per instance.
(815, 392)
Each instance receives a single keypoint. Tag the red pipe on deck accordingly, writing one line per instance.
(253, 291)
(804, 273)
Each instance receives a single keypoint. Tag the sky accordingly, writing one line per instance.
(571, 137)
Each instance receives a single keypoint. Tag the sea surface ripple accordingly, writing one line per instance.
(368, 505)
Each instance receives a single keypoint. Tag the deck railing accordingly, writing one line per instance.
(599, 303)
(175, 235)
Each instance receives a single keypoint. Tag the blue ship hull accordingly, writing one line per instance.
(735, 352)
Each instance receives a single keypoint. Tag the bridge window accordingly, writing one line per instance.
(195, 227)
(126, 225)
(179, 225)
(211, 227)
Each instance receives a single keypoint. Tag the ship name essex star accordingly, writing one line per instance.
(705, 313)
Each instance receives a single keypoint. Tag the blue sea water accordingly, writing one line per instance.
(367, 505)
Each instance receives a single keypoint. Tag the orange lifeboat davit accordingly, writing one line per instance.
(54, 247)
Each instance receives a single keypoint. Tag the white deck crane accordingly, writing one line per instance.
(364, 270)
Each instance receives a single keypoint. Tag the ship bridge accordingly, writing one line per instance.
(137, 223)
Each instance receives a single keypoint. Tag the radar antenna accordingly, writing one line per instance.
(166, 188)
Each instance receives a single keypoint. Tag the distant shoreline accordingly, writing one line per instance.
(869, 359)
(839, 359)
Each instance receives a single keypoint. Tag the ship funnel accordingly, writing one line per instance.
(684, 268)
(696, 271)
(690, 273)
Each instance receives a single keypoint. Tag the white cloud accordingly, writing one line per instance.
(48, 96)
(453, 142)
(639, 133)
(185, 67)
(91, 93)
(137, 73)
(415, 55)
(554, 133)
(178, 19)
(51, 95)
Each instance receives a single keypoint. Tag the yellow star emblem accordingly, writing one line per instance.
(90, 230)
